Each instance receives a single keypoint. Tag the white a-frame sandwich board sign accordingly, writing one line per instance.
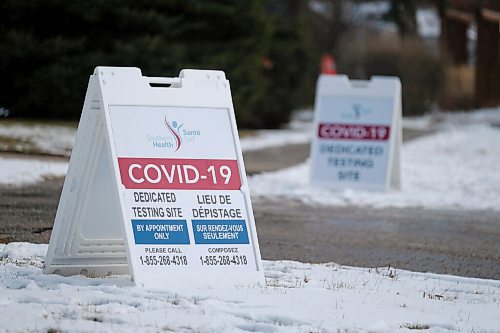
(156, 186)
(357, 133)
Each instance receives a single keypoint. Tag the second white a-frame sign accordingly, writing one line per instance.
(156, 186)
(357, 133)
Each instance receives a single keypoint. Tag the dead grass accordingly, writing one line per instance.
(415, 326)
(26, 144)
(245, 133)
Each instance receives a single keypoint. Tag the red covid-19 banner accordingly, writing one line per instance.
(179, 174)
(353, 132)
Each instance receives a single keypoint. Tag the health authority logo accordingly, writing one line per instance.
(175, 129)
(357, 112)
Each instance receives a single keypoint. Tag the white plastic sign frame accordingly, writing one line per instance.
(357, 133)
(156, 186)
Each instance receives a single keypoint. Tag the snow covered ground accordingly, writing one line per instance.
(38, 139)
(297, 297)
(454, 168)
(49, 139)
(296, 132)
(16, 171)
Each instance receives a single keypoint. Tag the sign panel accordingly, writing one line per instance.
(181, 187)
(357, 133)
(156, 186)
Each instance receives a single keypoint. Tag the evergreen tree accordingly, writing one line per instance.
(404, 14)
(49, 48)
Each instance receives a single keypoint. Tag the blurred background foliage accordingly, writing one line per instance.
(420, 72)
(270, 50)
(49, 48)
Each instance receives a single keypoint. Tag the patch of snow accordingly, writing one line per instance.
(472, 32)
(298, 131)
(425, 122)
(323, 8)
(22, 250)
(442, 120)
(483, 116)
(428, 23)
(297, 297)
(45, 139)
(369, 10)
(456, 167)
(24, 171)
(274, 138)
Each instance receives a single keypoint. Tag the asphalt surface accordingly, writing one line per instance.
(27, 213)
(462, 243)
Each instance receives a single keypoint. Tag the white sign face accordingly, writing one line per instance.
(354, 134)
(183, 207)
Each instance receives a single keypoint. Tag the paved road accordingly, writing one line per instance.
(27, 213)
(449, 242)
